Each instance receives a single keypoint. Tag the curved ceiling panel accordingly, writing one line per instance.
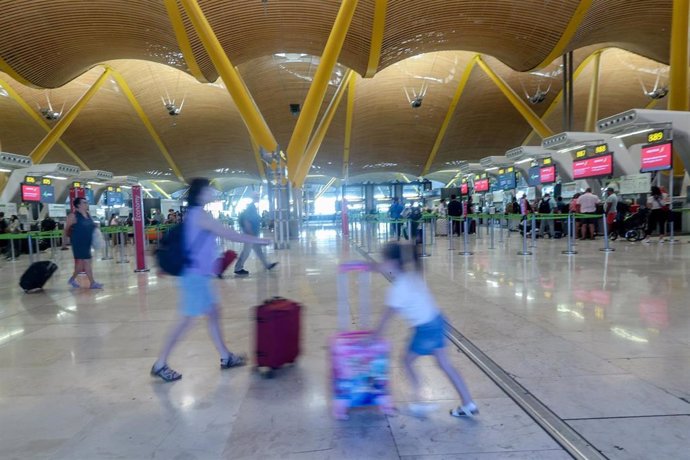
(49, 42)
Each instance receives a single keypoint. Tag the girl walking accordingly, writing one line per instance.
(411, 298)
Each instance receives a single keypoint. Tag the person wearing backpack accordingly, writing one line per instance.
(198, 269)
(546, 207)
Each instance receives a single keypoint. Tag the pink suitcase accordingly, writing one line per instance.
(359, 367)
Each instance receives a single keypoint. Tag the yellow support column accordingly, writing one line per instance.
(348, 127)
(319, 85)
(678, 74)
(183, 40)
(257, 156)
(313, 147)
(122, 83)
(520, 105)
(568, 34)
(449, 114)
(160, 190)
(377, 29)
(38, 119)
(233, 81)
(593, 104)
(42, 149)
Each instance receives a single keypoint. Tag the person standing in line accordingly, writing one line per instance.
(454, 213)
(250, 223)
(611, 209)
(547, 205)
(588, 205)
(79, 228)
(196, 294)
(409, 296)
(395, 213)
(657, 202)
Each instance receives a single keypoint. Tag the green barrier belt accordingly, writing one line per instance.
(58, 233)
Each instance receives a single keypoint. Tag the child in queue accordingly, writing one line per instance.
(411, 298)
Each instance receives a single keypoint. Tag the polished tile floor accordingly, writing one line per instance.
(602, 339)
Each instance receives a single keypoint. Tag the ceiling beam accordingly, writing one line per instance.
(42, 149)
(568, 34)
(312, 150)
(348, 127)
(183, 40)
(559, 97)
(519, 104)
(378, 26)
(325, 188)
(593, 102)
(122, 83)
(160, 190)
(233, 81)
(319, 86)
(449, 114)
(38, 119)
(5, 67)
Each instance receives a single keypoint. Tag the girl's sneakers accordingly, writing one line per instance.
(467, 410)
(233, 360)
(72, 282)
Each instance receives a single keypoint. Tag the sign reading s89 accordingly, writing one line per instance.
(602, 148)
(656, 136)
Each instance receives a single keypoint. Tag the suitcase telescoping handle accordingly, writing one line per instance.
(363, 270)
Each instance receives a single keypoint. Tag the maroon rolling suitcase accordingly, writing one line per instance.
(277, 334)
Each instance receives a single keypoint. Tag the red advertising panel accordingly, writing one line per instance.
(593, 167)
(464, 189)
(138, 214)
(656, 157)
(547, 174)
(481, 185)
(31, 193)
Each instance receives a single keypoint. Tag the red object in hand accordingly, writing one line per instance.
(224, 261)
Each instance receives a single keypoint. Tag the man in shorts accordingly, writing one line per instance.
(588, 205)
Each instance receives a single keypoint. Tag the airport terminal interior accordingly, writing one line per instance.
(533, 154)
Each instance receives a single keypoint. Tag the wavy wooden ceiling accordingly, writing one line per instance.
(56, 43)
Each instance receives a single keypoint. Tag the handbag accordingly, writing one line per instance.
(97, 241)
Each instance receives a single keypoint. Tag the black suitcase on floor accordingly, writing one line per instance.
(37, 275)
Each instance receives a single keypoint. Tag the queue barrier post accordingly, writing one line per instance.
(477, 227)
(123, 259)
(491, 233)
(570, 235)
(464, 251)
(606, 247)
(533, 233)
(423, 230)
(500, 229)
(451, 239)
(524, 251)
(31, 249)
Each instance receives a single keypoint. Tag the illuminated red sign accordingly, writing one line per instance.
(31, 192)
(593, 167)
(547, 174)
(481, 185)
(464, 189)
(656, 157)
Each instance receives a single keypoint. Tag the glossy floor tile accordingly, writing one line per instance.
(602, 340)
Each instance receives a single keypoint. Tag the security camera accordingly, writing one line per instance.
(416, 102)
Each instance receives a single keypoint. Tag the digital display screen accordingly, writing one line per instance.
(481, 185)
(47, 194)
(533, 176)
(656, 136)
(656, 157)
(113, 198)
(464, 189)
(31, 193)
(547, 174)
(88, 194)
(508, 181)
(593, 167)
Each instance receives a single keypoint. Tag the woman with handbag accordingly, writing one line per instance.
(658, 202)
(79, 228)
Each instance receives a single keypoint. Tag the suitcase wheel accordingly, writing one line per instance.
(266, 372)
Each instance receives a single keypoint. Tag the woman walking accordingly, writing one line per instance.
(79, 228)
